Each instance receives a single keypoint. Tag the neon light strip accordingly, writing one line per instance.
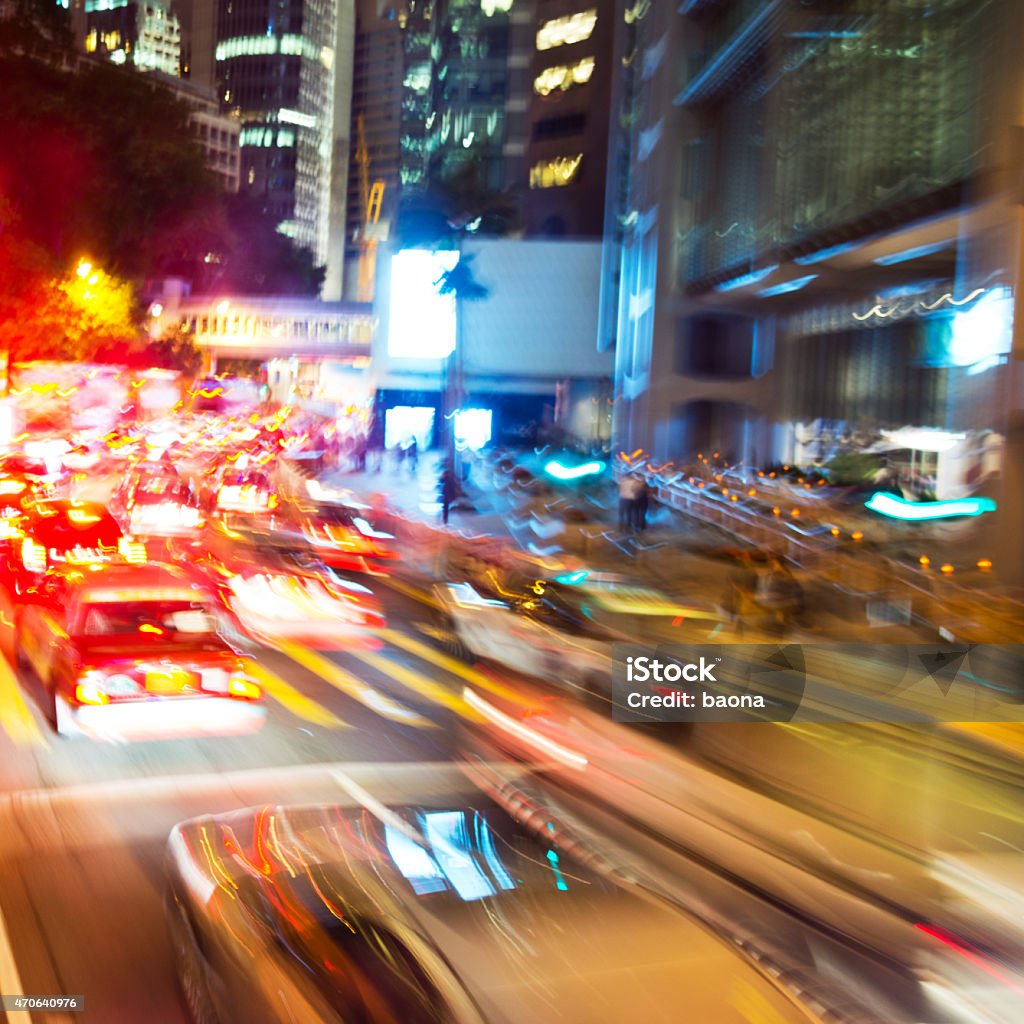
(920, 511)
(560, 472)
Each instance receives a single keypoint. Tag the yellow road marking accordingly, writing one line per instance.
(16, 716)
(297, 703)
(450, 664)
(423, 596)
(418, 683)
(348, 684)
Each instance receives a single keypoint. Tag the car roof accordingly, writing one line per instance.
(524, 923)
(149, 576)
(66, 504)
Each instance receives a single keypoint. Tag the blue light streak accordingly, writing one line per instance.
(922, 511)
(559, 472)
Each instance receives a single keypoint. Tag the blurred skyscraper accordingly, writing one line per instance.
(520, 89)
(285, 73)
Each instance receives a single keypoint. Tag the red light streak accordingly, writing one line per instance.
(955, 944)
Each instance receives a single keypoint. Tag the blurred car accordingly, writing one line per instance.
(134, 652)
(422, 916)
(279, 591)
(562, 630)
(62, 533)
(241, 491)
(155, 501)
(301, 606)
(26, 478)
(343, 538)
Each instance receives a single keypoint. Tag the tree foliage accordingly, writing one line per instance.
(251, 257)
(102, 160)
(461, 282)
(457, 202)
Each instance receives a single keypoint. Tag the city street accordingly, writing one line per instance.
(83, 825)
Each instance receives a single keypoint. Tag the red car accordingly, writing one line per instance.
(342, 538)
(60, 534)
(134, 652)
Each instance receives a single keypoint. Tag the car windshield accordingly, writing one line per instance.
(147, 618)
(247, 478)
(85, 526)
(163, 485)
(163, 490)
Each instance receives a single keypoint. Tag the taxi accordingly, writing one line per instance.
(62, 533)
(133, 652)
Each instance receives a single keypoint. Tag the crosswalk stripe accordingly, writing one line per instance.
(297, 703)
(418, 683)
(348, 684)
(16, 718)
(450, 664)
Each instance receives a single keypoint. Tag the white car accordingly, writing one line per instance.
(562, 630)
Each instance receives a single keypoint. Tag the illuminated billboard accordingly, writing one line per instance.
(421, 321)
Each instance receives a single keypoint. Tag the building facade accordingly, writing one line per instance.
(814, 214)
(568, 111)
(520, 365)
(217, 133)
(285, 74)
(378, 74)
(146, 34)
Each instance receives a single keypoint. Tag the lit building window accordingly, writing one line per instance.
(555, 173)
(573, 28)
(90, 42)
(564, 76)
(261, 46)
(492, 7)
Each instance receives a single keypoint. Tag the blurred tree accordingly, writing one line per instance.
(456, 202)
(71, 317)
(253, 258)
(102, 160)
(105, 161)
(36, 26)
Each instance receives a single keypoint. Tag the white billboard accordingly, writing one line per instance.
(421, 321)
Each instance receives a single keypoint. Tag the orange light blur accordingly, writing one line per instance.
(925, 561)
(857, 535)
(751, 493)
(834, 531)
(947, 569)
(984, 564)
(776, 511)
(795, 513)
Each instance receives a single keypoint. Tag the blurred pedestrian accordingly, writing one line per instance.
(628, 493)
(412, 455)
(447, 491)
(640, 505)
